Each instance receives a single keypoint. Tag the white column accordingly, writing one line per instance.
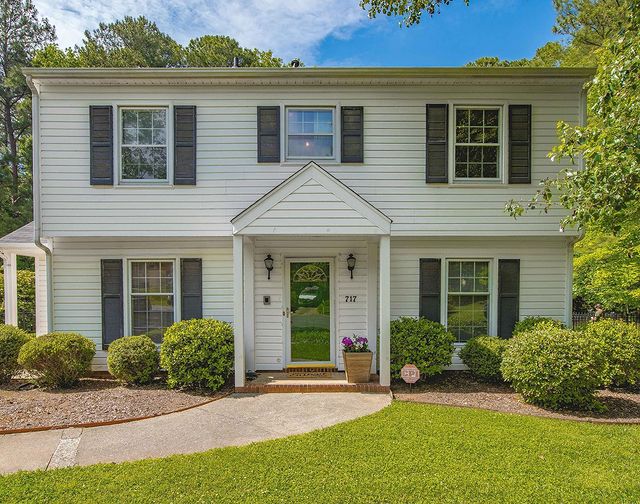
(372, 302)
(249, 314)
(238, 310)
(41, 295)
(10, 289)
(385, 310)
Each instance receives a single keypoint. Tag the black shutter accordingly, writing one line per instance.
(191, 288)
(430, 289)
(519, 144)
(184, 151)
(101, 144)
(268, 134)
(112, 300)
(508, 296)
(437, 169)
(351, 129)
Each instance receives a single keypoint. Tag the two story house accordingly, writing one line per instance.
(301, 204)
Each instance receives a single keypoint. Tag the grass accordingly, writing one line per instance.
(405, 453)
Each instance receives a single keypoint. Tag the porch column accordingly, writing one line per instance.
(238, 309)
(10, 289)
(249, 324)
(385, 310)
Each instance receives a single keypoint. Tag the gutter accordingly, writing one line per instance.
(37, 224)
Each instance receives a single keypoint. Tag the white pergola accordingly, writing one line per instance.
(21, 243)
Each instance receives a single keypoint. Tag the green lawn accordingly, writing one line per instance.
(405, 453)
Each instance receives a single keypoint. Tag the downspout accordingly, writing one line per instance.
(37, 221)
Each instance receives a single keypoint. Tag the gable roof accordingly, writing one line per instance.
(311, 202)
(23, 235)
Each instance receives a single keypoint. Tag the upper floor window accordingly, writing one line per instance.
(143, 147)
(310, 133)
(477, 143)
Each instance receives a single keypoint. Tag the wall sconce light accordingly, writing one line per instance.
(351, 264)
(268, 263)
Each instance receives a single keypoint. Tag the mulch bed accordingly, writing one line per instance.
(459, 388)
(93, 400)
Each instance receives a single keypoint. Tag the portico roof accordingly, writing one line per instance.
(311, 202)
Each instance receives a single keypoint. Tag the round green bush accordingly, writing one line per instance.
(621, 342)
(197, 353)
(530, 323)
(555, 368)
(58, 359)
(11, 341)
(133, 359)
(426, 344)
(483, 356)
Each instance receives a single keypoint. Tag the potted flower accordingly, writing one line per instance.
(357, 359)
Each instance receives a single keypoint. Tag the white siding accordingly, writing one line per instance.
(311, 209)
(41, 294)
(229, 179)
(543, 272)
(76, 278)
(349, 318)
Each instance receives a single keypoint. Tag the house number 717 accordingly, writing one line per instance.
(350, 299)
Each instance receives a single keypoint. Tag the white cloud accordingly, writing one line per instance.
(291, 28)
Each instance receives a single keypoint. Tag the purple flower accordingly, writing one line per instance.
(347, 342)
(361, 339)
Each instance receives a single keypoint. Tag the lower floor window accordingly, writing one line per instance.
(467, 298)
(152, 298)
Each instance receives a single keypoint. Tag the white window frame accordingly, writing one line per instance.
(130, 294)
(502, 142)
(119, 144)
(491, 295)
(310, 108)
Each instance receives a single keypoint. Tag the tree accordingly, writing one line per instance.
(606, 269)
(410, 10)
(606, 193)
(22, 33)
(219, 51)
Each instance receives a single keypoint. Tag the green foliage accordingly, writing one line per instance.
(606, 269)
(197, 353)
(11, 341)
(58, 359)
(410, 10)
(26, 300)
(22, 33)
(606, 193)
(483, 356)
(422, 342)
(530, 323)
(219, 51)
(418, 453)
(310, 344)
(621, 342)
(555, 368)
(133, 359)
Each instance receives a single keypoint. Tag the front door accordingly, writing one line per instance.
(309, 324)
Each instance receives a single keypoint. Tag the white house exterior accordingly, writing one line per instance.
(161, 192)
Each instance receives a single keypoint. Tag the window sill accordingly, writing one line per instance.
(143, 185)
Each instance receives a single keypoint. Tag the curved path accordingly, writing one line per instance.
(235, 420)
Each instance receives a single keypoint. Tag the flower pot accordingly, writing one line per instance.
(357, 366)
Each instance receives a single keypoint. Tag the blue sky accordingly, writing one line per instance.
(330, 32)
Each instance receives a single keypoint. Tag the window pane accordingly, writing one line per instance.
(490, 171)
(476, 117)
(310, 121)
(477, 127)
(159, 119)
(489, 154)
(461, 170)
(462, 117)
(129, 119)
(144, 163)
(491, 117)
(144, 118)
(144, 136)
(309, 146)
(490, 135)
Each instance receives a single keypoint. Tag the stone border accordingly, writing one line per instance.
(110, 422)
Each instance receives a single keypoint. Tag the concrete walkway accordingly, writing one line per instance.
(232, 421)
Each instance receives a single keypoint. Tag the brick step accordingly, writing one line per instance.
(262, 388)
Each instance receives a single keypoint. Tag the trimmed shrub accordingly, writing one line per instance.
(133, 359)
(11, 341)
(530, 323)
(555, 368)
(26, 300)
(422, 342)
(58, 359)
(197, 353)
(621, 342)
(483, 356)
